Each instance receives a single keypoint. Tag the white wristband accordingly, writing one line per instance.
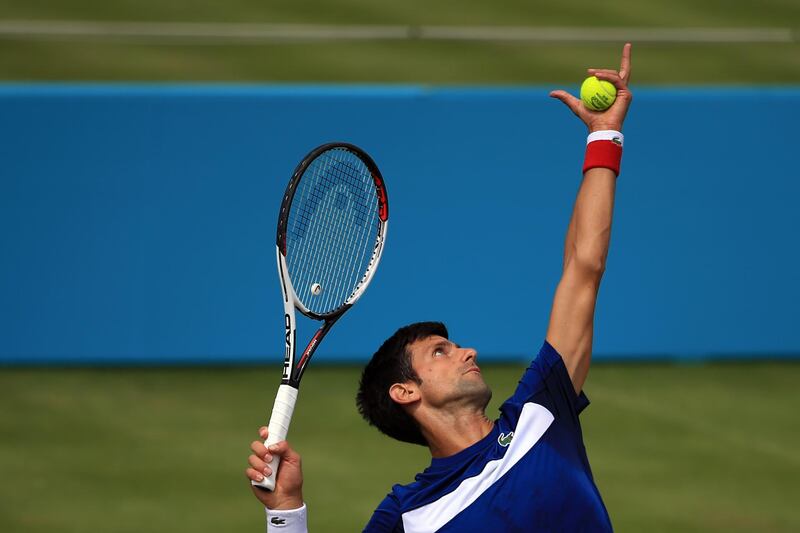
(287, 521)
(606, 135)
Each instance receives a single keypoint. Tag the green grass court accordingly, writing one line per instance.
(76, 59)
(673, 447)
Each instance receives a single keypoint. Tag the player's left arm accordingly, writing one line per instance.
(588, 235)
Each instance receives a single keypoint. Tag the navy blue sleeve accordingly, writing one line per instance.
(547, 382)
(386, 518)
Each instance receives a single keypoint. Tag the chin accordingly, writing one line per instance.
(479, 393)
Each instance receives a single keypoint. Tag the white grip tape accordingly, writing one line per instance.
(278, 428)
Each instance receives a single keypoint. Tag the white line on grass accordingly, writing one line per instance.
(255, 33)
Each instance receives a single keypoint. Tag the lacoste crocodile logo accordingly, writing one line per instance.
(504, 440)
(278, 521)
(617, 141)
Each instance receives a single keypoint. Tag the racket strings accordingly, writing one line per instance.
(333, 274)
(333, 225)
(329, 175)
(359, 241)
(358, 234)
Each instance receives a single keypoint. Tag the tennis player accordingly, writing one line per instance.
(527, 470)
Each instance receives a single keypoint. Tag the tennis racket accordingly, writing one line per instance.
(331, 232)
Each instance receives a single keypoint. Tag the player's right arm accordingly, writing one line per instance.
(571, 325)
(285, 503)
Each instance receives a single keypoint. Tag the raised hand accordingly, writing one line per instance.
(613, 117)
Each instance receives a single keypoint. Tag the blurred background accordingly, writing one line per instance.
(145, 149)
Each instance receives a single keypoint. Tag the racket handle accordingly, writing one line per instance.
(278, 428)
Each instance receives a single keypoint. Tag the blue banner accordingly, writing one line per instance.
(137, 222)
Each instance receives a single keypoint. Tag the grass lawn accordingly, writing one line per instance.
(673, 447)
(73, 59)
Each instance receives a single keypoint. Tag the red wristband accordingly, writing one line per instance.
(603, 154)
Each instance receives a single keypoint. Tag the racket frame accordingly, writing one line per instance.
(285, 400)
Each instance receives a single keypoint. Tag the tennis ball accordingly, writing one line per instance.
(597, 95)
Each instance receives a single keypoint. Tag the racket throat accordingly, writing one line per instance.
(311, 348)
(312, 345)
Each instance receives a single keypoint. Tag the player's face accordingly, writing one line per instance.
(449, 373)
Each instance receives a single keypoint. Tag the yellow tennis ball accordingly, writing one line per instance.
(597, 95)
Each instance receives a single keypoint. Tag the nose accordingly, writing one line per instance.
(469, 354)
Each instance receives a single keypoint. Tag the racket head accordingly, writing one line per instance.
(331, 229)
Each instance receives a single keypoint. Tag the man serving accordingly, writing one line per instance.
(527, 470)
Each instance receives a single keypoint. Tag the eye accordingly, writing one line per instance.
(437, 352)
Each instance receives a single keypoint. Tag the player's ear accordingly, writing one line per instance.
(404, 393)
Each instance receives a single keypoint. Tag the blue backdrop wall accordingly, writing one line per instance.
(137, 222)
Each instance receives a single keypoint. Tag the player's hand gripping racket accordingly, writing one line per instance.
(331, 232)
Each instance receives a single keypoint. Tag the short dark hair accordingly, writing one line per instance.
(389, 365)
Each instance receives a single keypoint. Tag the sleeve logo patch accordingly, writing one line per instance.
(504, 440)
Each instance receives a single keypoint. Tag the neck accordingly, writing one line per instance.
(449, 432)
